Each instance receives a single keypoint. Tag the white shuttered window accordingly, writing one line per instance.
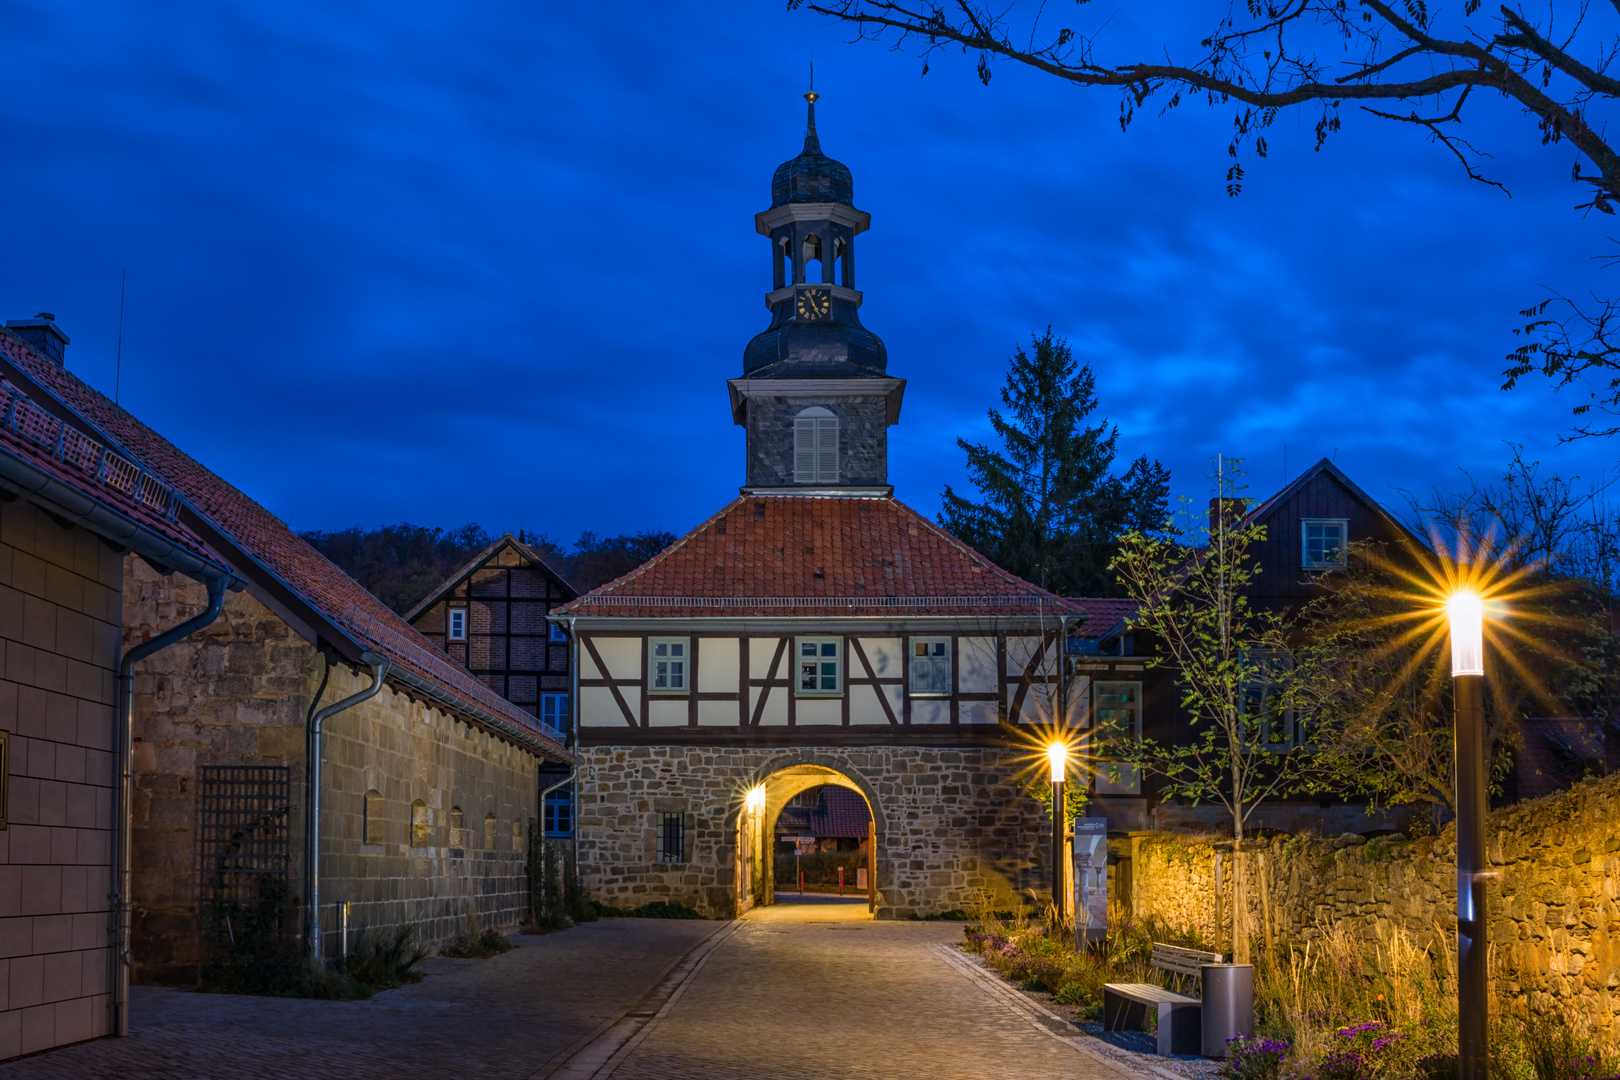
(930, 665)
(815, 447)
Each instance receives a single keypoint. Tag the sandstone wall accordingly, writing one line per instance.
(59, 611)
(951, 824)
(238, 694)
(1555, 922)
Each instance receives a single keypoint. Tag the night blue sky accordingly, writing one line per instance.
(494, 262)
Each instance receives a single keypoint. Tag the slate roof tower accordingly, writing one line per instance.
(815, 395)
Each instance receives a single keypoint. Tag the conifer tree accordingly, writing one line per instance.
(1052, 510)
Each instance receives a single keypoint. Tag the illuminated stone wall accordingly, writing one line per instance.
(1555, 922)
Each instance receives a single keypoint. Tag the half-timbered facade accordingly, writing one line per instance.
(817, 631)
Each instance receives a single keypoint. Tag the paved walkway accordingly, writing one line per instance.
(798, 990)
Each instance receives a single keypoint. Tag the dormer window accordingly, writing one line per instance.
(815, 447)
(458, 624)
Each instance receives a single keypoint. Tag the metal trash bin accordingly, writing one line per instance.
(1228, 1006)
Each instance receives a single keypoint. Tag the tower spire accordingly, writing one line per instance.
(812, 143)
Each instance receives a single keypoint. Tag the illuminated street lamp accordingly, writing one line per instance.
(1057, 755)
(1466, 613)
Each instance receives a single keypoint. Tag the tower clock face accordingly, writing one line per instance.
(814, 304)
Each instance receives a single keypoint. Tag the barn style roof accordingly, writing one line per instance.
(297, 581)
(810, 556)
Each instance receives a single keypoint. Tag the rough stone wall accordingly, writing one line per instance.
(238, 694)
(59, 612)
(1555, 922)
(952, 825)
(863, 438)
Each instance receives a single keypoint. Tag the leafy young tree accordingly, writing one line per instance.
(1052, 511)
(1231, 663)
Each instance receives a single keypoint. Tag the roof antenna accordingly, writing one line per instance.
(118, 369)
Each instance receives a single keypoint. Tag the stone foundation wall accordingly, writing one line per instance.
(1555, 922)
(238, 693)
(952, 826)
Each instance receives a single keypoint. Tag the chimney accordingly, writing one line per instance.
(1227, 512)
(42, 333)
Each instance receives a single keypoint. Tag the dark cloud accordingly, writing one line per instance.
(494, 262)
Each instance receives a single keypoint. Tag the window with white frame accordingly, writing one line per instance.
(1267, 722)
(666, 663)
(821, 665)
(1324, 542)
(930, 665)
(458, 624)
(558, 633)
(815, 447)
(554, 712)
(1117, 708)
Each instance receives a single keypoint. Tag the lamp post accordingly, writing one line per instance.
(1466, 614)
(1057, 755)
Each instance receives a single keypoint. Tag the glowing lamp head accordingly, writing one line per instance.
(1466, 612)
(756, 798)
(1057, 756)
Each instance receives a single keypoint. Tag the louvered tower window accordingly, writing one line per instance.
(815, 447)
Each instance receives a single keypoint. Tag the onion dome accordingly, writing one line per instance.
(812, 177)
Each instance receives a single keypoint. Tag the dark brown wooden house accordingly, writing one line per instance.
(490, 616)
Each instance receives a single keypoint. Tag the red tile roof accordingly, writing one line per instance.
(274, 548)
(806, 555)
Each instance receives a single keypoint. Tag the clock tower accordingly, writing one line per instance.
(815, 395)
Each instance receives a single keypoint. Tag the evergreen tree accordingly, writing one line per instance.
(1052, 510)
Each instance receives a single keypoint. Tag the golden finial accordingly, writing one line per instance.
(811, 97)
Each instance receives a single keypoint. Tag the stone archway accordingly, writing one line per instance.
(782, 778)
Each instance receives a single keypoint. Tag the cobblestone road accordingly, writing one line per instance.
(793, 991)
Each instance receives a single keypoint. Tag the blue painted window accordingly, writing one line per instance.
(559, 815)
(554, 712)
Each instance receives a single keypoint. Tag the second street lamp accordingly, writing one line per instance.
(1465, 612)
(1057, 755)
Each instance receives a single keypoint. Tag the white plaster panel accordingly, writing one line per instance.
(666, 712)
(977, 712)
(622, 655)
(598, 709)
(775, 705)
(760, 651)
(819, 711)
(1020, 650)
(976, 665)
(864, 707)
(717, 665)
(885, 656)
(930, 711)
(718, 712)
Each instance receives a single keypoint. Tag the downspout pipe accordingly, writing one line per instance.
(312, 799)
(122, 957)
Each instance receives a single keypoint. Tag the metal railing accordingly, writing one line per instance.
(66, 444)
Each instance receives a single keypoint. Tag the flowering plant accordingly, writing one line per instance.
(1255, 1058)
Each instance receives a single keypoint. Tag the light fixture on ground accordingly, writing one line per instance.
(1465, 612)
(1057, 756)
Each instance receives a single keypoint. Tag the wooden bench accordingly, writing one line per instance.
(1125, 1005)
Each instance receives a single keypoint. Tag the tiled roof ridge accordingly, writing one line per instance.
(603, 589)
(362, 603)
(975, 554)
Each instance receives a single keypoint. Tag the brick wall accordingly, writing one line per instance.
(59, 612)
(952, 826)
(238, 693)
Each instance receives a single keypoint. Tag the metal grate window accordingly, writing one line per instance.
(242, 841)
(671, 838)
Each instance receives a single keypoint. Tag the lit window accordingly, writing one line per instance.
(815, 447)
(1118, 710)
(671, 837)
(559, 814)
(666, 663)
(554, 712)
(458, 624)
(930, 665)
(1324, 543)
(558, 633)
(820, 665)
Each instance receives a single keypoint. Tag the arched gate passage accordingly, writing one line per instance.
(775, 785)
